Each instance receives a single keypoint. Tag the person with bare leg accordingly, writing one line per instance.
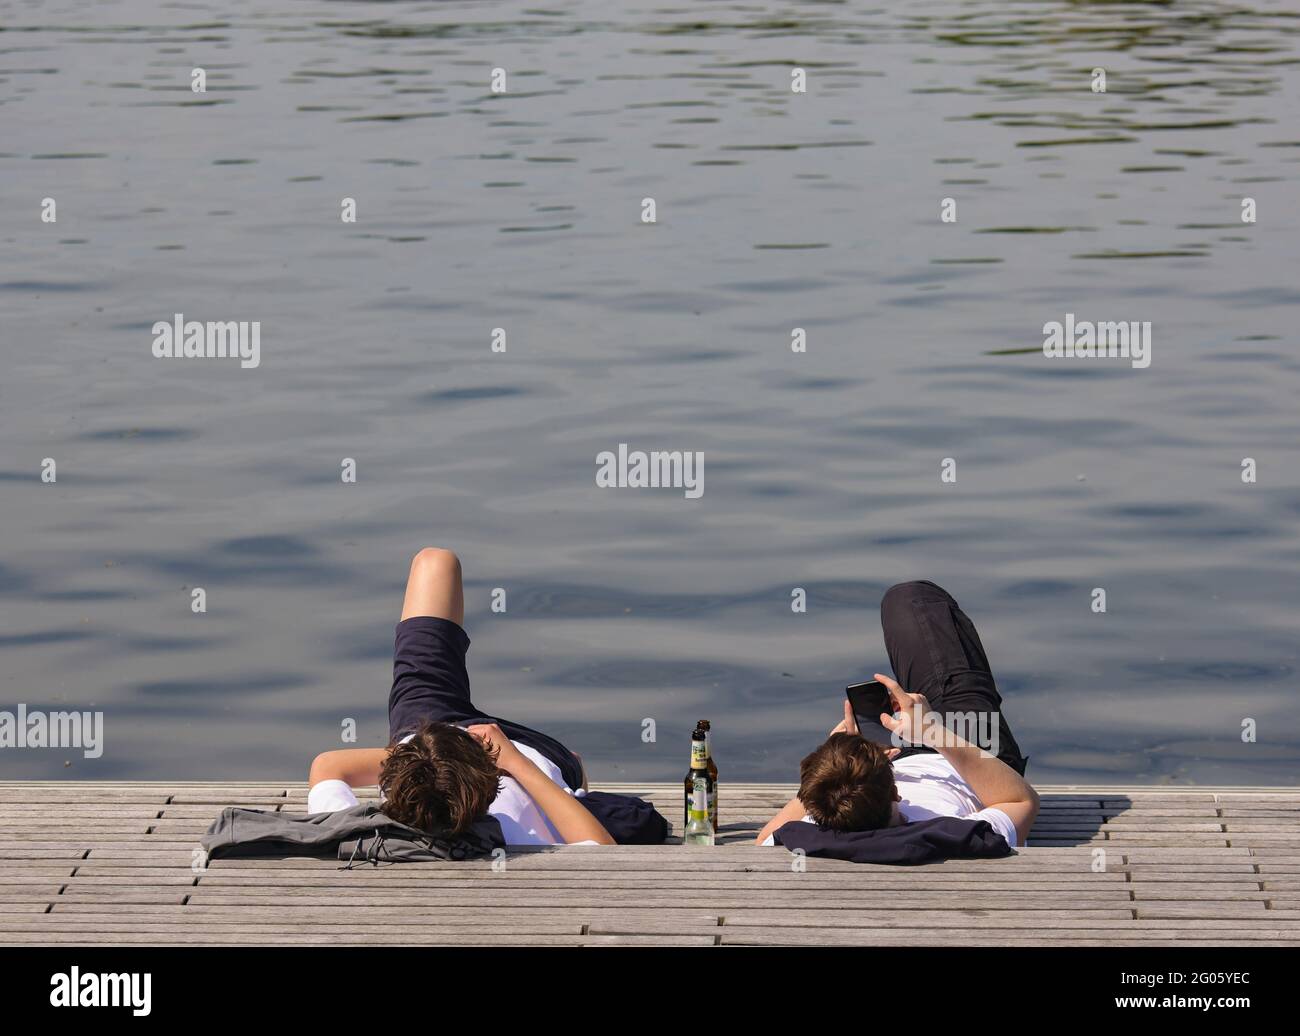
(448, 763)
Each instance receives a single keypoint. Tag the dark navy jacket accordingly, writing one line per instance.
(924, 841)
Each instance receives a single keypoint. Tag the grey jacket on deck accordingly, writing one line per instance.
(359, 834)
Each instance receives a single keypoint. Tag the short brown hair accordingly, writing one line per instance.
(442, 779)
(848, 784)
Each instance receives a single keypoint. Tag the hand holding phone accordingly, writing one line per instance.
(868, 700)
(908, 712)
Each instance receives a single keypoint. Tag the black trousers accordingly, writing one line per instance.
(935, 651)
(431, 682)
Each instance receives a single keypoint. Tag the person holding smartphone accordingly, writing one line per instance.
(924, 767)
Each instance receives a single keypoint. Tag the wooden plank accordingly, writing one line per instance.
(1201, 909)
(961, 902)
(810, 883)
(384, 936)
(29, 893)
(940, 937)
(331, 911)
(8, 853)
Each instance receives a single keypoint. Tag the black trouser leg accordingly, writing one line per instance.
(935, 651)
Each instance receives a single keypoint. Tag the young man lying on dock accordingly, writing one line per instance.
(447, 763)
(852, 783)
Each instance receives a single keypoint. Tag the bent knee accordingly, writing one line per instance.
(436, 561)
(320, 769)
(914, 590)
(909, 589)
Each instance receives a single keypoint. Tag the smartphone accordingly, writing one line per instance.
(868, 701)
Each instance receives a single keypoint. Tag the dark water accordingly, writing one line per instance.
(775, 210)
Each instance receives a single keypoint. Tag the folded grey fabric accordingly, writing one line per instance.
(361, 834)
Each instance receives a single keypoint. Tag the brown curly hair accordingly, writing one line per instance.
(847, 784)
(442, 779)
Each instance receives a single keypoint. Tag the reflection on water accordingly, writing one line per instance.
(776, 210)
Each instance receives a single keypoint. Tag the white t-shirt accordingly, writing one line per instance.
(929, 787)
(522, 822)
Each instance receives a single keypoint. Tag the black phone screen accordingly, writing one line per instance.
(868, 701)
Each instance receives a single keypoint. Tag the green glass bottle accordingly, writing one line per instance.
(698, 829)
(698, 792)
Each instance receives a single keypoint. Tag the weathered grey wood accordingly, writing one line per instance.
(1062, 937)
(43, 894)
(109, 863)
(326, 937)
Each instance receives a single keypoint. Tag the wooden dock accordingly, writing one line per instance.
(112, 863)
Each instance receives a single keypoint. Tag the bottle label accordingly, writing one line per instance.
(699, 801)
(699, 755)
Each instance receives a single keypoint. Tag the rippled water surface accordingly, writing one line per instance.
(775, 210)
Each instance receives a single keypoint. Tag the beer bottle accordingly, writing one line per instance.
(699, 768)
(704, 725)
(698, 829)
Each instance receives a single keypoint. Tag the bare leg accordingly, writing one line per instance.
(434, 587)
(429, 682)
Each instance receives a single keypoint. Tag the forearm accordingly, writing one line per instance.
(989, 777)
(571, 818)
(792, 810)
